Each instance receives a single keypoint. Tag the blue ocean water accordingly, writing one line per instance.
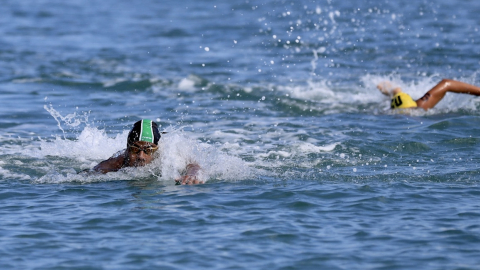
(305, 165)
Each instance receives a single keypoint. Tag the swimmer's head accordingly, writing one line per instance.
(144, 131)
(402, 100)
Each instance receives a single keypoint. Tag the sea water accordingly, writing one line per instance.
(306, 167)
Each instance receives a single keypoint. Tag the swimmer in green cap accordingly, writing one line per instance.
(142, 143)
(401, 100)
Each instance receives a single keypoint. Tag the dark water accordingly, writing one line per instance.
(305, 165)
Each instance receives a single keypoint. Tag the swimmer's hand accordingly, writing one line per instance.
(191, 176)
(388, 89)
(188, 180)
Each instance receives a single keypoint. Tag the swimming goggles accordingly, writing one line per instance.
(149, 150)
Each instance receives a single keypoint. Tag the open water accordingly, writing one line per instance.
(305, 165)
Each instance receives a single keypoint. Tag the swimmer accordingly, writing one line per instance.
(142, 144)
(401, 100)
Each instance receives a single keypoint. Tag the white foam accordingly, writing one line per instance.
(186, 84)
(327, 98)
(315, 91)
(60, 158)
(176, 151)
(190, 83)
(6, 174)
(113, 82)
(308, 148)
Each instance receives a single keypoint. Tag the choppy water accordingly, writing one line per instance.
(306, 167)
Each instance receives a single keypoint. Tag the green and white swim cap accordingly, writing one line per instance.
(144, 130)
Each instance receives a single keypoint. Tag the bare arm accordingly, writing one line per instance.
(190, 177)
(434, 95)
(112, 164)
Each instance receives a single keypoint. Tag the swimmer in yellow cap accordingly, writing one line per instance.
(401, 100)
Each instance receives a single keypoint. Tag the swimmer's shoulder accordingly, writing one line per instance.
(112, 164)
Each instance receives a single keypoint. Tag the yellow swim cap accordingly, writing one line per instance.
(402, 101)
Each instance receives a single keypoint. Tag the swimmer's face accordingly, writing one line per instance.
(140, 154)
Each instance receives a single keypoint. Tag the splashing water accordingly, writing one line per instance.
(72, 120)
(93, 145)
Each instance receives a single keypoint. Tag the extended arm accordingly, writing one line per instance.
(190, 177)
(434, 95)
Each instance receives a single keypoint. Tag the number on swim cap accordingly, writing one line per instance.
(396, 102)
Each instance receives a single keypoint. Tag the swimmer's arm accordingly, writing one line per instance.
(434, 95)
(112, 164)
(388, 89)
(190, 176)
